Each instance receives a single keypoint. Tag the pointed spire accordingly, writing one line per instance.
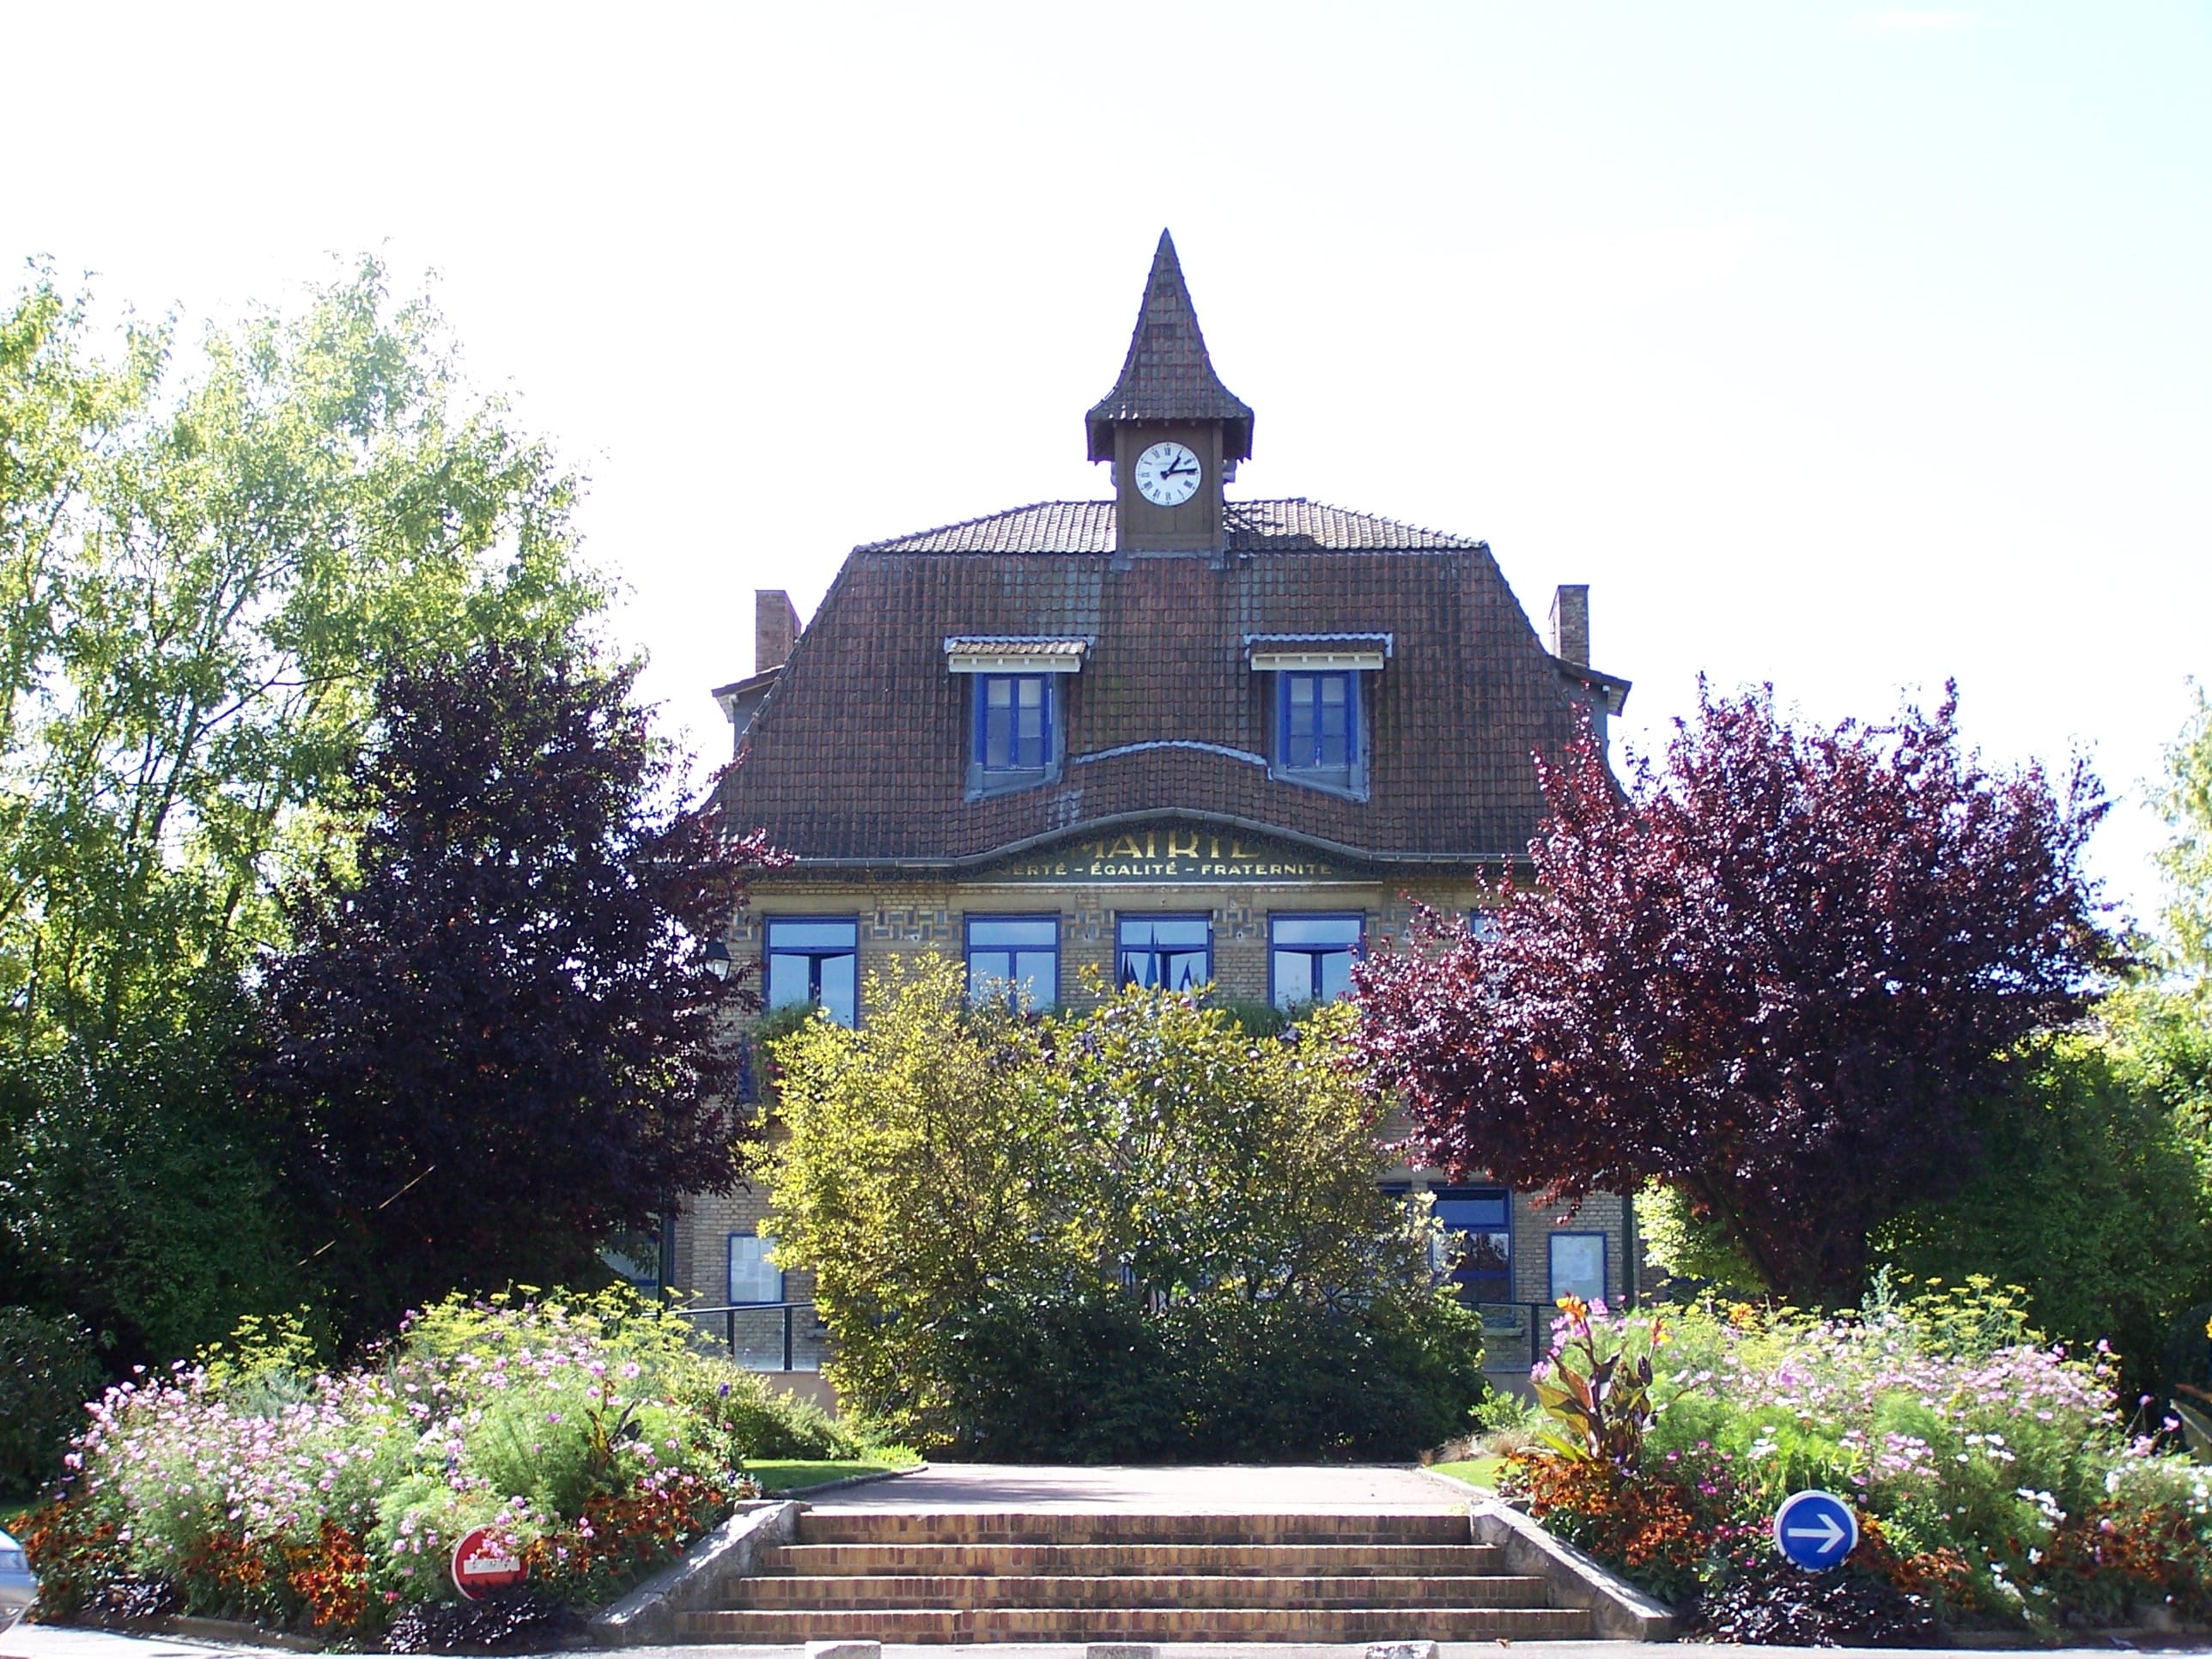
(1167, 375)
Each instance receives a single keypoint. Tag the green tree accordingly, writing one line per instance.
(205, 569)
(1132, 1231)
(2095, 1200)
(2185, 802)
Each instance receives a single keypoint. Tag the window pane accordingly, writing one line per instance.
(1316, 930)
(837, 987)
(753, 1278)
(787, 981)
(1471, 1212)
(1334, 973)
(1045, 931)
(1579, 1265)
(803, 935)
(1034, 973)
(1168, 951)
(984, 966)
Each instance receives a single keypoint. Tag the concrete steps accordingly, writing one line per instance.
(1074, 1575)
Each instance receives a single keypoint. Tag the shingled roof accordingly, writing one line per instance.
(858, 757)
(1294, 524)
(1167, 375)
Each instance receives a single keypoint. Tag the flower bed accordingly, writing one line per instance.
(1996, 1480)
(585, 1433)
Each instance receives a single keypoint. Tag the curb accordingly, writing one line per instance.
(646, 1617)
(806, 1494)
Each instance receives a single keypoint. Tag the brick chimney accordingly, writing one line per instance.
(775, 626)
(1570, 624)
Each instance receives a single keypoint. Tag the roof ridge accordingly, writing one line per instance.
(887, 542)
(1376, 518)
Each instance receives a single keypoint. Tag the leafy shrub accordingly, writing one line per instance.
(1139, 1232)
(760, 1421)
(2095, 1198)
(50, 1368)
(1771, 1602)
(504, 1621)
(1994, 1477)
(241, 1489)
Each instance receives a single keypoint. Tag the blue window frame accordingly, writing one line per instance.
(815, 959)
(1310, 958)
(1174, 953)
(1014, 955)
(1579, 1265)
(1477, 1254)
(1317, 717)
(1013, 723)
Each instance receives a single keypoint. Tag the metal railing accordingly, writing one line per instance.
(1507, 1325)
(731, 1314)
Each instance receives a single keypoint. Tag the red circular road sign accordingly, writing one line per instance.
(481, 1564)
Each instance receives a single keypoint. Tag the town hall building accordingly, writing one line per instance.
(1175, 736)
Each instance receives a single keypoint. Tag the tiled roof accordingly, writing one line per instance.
(1292, 525)
(858, 755)
(1019, 645)
(1167, 375)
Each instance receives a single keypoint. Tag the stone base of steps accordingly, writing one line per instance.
(1182, 1624)
(858, 1526)
(923, 1590)
(1106, 1575)
(1267, 1560)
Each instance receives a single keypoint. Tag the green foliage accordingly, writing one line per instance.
(1597, 1389)
(2186, 859)
(207, 561)
(1135, 1231)
(586, 1430)
(1994, 1475)
(51, 1371)
(760, 1421)
(1685, 1245)
(2096, 1196)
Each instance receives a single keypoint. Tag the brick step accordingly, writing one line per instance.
(1115, 1526)
(941, 1561)
(1183, 1590)
(1032, 1624)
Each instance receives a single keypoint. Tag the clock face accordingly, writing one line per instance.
(1167, 475)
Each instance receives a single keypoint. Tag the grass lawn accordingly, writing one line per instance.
(783, 1474)
(1476, 1471)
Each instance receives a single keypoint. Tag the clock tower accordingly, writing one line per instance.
(1172, 430)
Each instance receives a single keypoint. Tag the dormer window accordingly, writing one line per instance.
(1320, 719)
(1013, 724)
(1015, 706)
(1319, 730)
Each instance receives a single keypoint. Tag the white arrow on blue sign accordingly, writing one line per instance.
(1815, 1529)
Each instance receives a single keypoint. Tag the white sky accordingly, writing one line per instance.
(1848, 348)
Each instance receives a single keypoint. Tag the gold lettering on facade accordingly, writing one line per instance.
(1125, 847)
(1180, 845)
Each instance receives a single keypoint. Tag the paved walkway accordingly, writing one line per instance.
(34, 1642)
(1241, 1489)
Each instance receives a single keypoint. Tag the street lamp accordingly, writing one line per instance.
(718, 958)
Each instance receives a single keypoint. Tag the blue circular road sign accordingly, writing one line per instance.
(1815, 1529)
